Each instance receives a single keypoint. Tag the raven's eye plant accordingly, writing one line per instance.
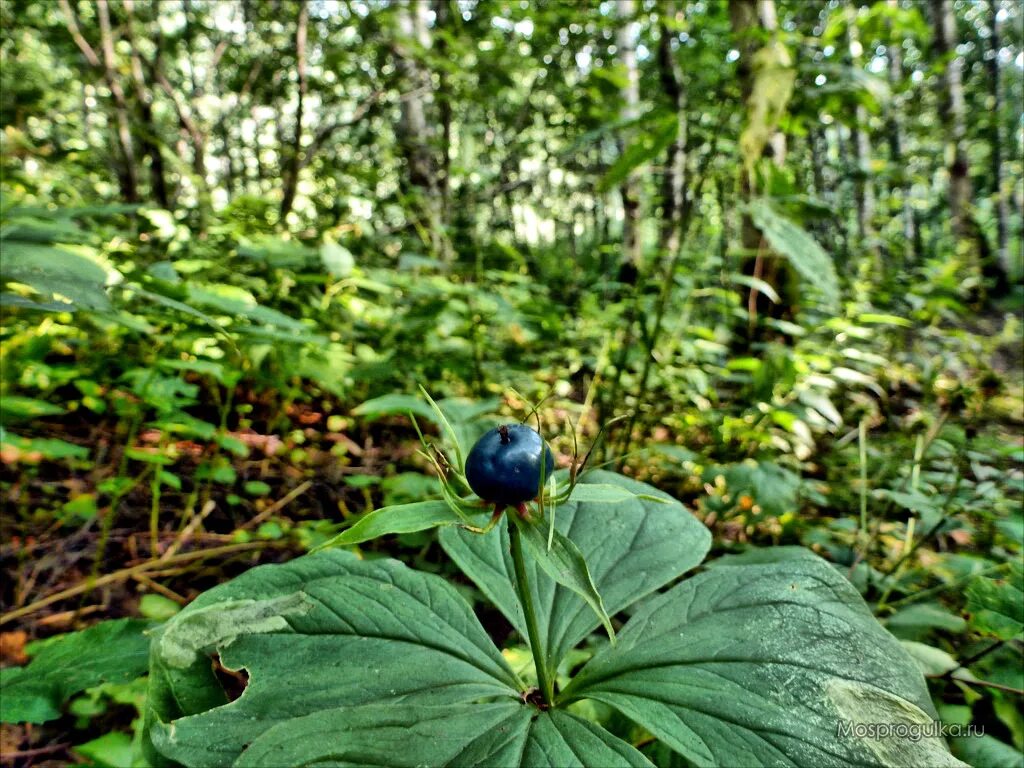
(767, 658)
(506, 466)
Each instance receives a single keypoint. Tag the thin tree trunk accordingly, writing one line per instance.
(863, 190)
(230, 172)
(996, 141)
(626, 37)
(674, 182)
(257, 148)
(750, 20)
(953, 115)
(150, 144)
(814, 139)
(894, 126)
(442, 15)
(414, 133)
(127, 173)
(966, 230)
(291, 170)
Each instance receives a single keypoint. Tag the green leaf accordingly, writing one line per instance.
(651, 142)
(761, 665)
(997, 605)
(110, 651)
(631, 548)
(405, 518)
(337, 259)
(55, 271)
(256, 488)
(16, 407)
(986, 751)
(761, 286)
(111, 750)
(394, 405)
(606, 493)
(562, 560)
(793, 242)
(931, 660)
(315, 634)
(500, 734)
(158, 607)
(914, 501)
(238, 302)
(46, 447)
(915, 621)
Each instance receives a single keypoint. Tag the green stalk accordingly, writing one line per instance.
(544, 679)
(862, 434)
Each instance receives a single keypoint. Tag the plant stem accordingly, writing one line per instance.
(938, 590)
(544, 679)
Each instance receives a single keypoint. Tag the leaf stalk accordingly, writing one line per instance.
(545, 681)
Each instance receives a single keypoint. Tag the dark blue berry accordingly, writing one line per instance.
(504, 465)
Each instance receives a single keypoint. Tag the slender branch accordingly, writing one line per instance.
(128, 573)
(11, 757)
(983, 684)
(975, 658)
(71, 22)
(325, 132)
(544, 678)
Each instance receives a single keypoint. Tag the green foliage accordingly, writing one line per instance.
(812, 347)
(995, 604)
(789, 240)
(114, 651)
(409, 654)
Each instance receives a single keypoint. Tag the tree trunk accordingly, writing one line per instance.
(863, 190)
(953, 115)
(415, 135)
(966, 231)
(894, 125)
(630, 188)
(674, 183)
(149, 142)
(127, 172)
(996, 142)
(442, 15)
(291, 169)
(750, 20)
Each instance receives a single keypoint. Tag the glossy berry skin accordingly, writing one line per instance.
(504, 465)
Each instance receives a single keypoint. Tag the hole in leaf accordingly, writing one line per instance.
(233, 682)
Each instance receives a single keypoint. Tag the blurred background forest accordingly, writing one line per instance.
(778, 240)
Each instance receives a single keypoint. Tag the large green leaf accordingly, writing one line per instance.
(235, 301)
(113, 651)
(631, 548)
(764, 664)
(802, 250)
(986, 751)
(55, 271)
(351, 662)
(997, 605)
(496, 734)
(318, 633)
